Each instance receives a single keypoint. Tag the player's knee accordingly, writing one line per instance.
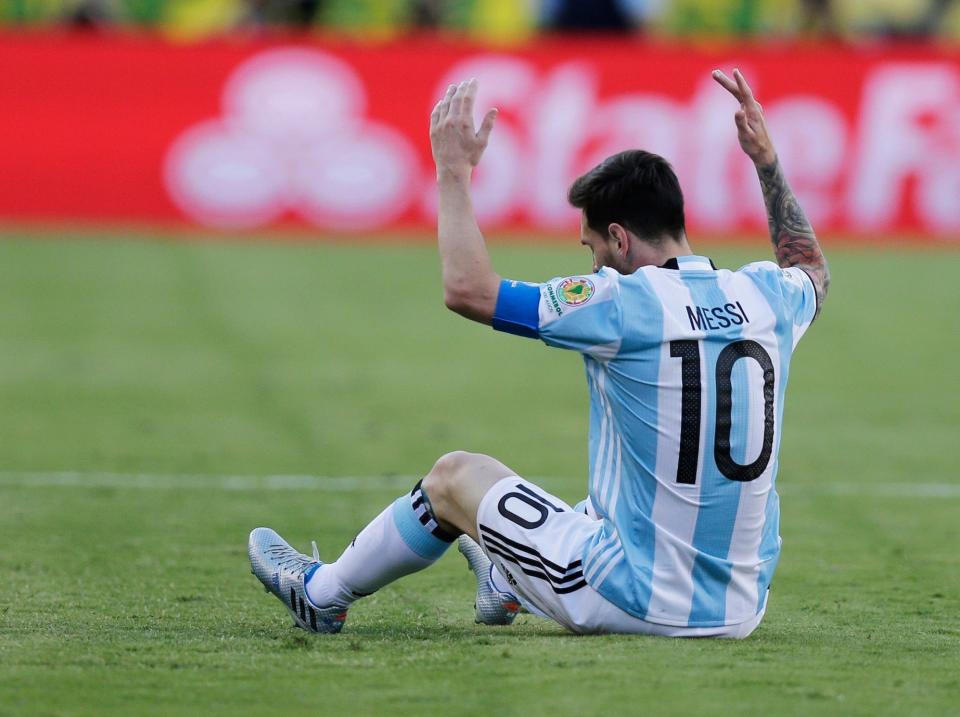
(442, 482)
(453, 463)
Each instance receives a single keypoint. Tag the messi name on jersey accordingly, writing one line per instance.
(704, 318)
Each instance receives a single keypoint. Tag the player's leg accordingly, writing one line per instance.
(457, 484)
(411, 534)
(456, 487)
(536, 542)
(532, 540)
(408, 536)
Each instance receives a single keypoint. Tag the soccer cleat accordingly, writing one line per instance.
(284, 572)
(492, 606)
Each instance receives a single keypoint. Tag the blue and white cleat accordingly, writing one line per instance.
(284, 572)
(492, 606)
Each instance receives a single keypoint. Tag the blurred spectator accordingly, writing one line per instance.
(426, 13)
(289, 13)
(894, 18)
(817, 17)
(503, 21)
(726, 17)
(87, 14)
(934, 20)
(598, 15)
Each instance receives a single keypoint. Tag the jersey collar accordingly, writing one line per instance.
(690, 263)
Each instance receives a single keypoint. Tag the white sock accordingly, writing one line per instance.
(403, 539)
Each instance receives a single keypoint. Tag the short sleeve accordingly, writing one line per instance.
(579, 313)
(794, 290)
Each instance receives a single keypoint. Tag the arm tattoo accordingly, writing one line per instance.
(794, 242)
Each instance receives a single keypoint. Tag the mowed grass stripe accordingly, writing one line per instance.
(161, 481)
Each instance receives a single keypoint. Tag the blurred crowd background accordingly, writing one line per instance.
(504, 20)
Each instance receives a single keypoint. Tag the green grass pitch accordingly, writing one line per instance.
(188, 363)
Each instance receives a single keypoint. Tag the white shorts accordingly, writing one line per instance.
(536, 543)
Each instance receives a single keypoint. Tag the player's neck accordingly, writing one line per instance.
(660, 254)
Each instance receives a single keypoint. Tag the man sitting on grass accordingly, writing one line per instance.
(687, 369)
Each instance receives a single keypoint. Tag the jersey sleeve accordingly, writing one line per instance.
(792, 288)
(580, 313)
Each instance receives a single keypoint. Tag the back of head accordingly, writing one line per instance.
(636, 189)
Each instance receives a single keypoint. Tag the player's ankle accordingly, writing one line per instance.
(324, 590)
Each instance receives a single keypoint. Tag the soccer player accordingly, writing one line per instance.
(687, 369)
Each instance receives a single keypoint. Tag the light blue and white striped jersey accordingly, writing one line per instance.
(687, 368)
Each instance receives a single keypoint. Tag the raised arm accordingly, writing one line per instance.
(470, 285)
(794, 242)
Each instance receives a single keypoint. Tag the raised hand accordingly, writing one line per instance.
(456, 146)
(751, 126)
(794, 241)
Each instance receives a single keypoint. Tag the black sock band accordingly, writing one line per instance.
(426, 516)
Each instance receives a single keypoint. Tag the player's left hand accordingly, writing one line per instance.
(751, 126)
(457, 146)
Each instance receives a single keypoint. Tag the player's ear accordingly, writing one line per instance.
(619, 234)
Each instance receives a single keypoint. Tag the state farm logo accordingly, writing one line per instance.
(292, 138)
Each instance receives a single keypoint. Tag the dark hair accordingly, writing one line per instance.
(634, 188)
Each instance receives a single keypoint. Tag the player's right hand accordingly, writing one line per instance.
(751, 126)
(456, 146)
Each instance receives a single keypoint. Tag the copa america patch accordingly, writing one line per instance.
(575, 290)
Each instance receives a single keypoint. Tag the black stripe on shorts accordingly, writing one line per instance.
(534, 564)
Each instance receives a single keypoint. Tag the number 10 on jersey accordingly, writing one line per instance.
(690, 409)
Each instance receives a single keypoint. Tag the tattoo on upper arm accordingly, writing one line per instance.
(794, 241)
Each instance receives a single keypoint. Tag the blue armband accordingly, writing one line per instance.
(518, 309)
